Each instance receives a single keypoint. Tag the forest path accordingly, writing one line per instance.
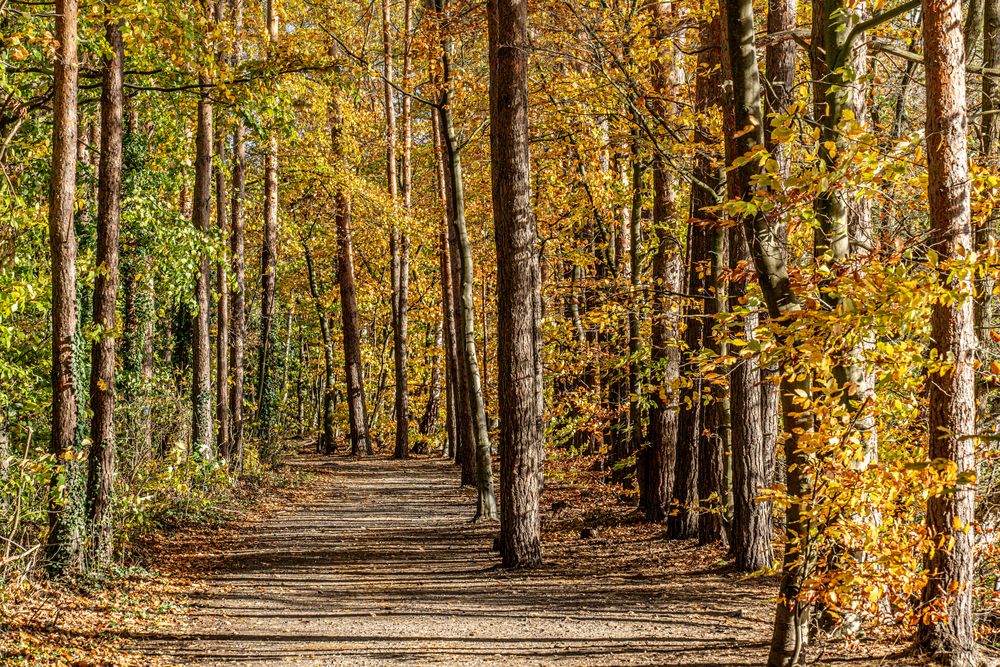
(381, 566)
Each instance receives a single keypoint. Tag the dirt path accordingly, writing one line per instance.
(384, 568)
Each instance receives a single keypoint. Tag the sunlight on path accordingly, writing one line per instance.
(384, 568)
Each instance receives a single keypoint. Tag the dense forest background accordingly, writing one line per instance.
(739, 257)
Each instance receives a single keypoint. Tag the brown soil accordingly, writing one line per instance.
(378, 564)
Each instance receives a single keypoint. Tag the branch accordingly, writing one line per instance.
(874, 21)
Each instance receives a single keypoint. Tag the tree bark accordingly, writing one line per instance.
(361, 444)
(237, 300)
(951, 394)
(655, 465)
(327, 443)
(518, 287)
(222, 337)
(101, 461)
(63, 546)
(447, 292)
(201, 345)
(401, 397)
(683, 521)
(464, 312)
(266, 392)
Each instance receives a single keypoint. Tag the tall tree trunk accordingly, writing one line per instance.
(656, 460)
(237, 301)
(101, 462)
(518, 287)
(763, 236)
(752, 463)
(266, 392)
(779, 58)
(222, 337)
(447, 291)
(683, 521)
(465, 315)
(201, 344)
(401, 401)
(327, 443)
(361, 444)
(990, 142)
(951, 394)
(63, 547)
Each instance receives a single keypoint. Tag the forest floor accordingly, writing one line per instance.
(376, 563)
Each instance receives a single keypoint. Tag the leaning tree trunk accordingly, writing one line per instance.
(447, 292)
(951, 393)
(464, 314)
(63, 547)
(518, 283)
(101, 462)
(763, 236)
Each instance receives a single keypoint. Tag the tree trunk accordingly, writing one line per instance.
(656, 460)
(401, 401)
(951, 394)
(752, 467)
(201, 345)
(357, 409)
(327, 443)
(683, 521)
(518, 283)
(63, 547)
(465, 315)
(237, 297)
(101, 462)
(222, 338)
(428, 422)
(266, 391)
(447, 292)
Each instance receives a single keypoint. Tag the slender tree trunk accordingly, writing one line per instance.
(222, 337)
(101, 463)
(683, 521)
(401, 402)
(656, 460)
(266, 398)
(327, 444)
(201, 384)
(237, 298)
(518, 283)
(951, 394)
(357, 409)
(779, 69)
(63, 547)
(447, 291)
(464, 312)
(428, 422)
